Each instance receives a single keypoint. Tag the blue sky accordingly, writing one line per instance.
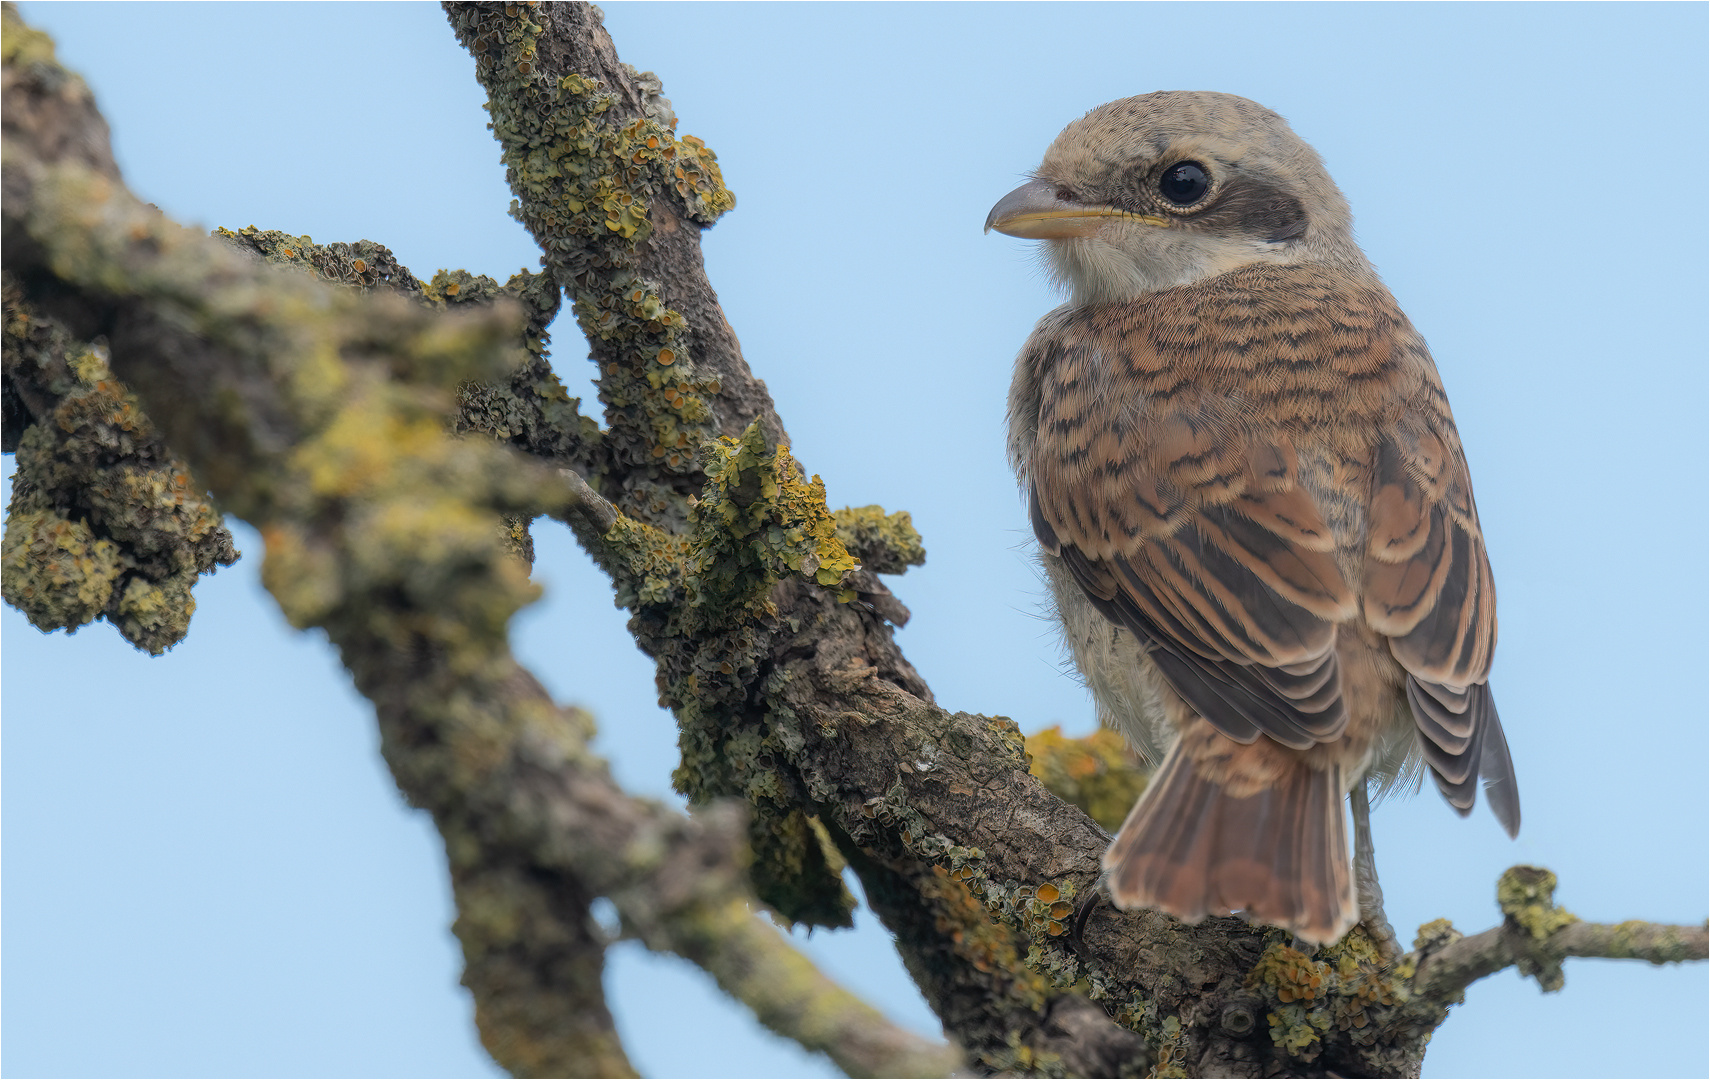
(208, 870)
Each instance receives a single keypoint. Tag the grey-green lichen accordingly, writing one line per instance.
(1636, 938)
(586, 177)
(991, 937)
(417, 511)
(593, 181)
(104, 521)
(416, 506)
(531, 410)
(984, 957)
(756, 523)
(1038, 910)
(57, 571)
(798, 869)
(759, 522)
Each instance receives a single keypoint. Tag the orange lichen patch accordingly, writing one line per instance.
(1292, 974)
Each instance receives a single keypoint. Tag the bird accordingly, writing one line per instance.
(1253, 510)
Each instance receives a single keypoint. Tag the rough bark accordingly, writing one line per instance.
(321, 414)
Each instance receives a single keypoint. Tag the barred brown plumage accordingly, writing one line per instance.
(1254, 510)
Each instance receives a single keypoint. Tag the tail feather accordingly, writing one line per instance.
(1280, 855)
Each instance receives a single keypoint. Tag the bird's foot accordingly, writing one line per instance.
(1083, 912)
(1367, 891)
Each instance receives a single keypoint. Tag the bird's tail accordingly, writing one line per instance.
(1280, 855)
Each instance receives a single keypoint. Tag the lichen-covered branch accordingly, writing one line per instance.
(1536, 936)
(798, 701)
(104, 521)
(616, 200)
(322, 414)
(323, 417)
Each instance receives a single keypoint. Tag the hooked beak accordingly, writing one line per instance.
(1034, 212)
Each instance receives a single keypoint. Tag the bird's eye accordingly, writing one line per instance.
(1184, 183)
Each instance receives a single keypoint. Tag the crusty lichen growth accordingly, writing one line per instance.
(757, 523)
(363, 265)
(1366, 990)
(531, 410)
(1298, 984)
(702, 605)
(1636, 939)
(593, 181)
(508, 916)
(978, 959)
(1099, 773)
(416, 508)
(798, 869)
(1171, 1043)
(884, 543)
(986, 950)
(1527, 896)
(588, 185)
(1040, 910)
(104, 521)
(57, 572)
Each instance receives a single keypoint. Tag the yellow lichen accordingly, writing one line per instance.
(1098, 773)
(759, 522)
(1290, 973)
(56, 571)
(885, 543)
(122, 529)
(590, 188)
(1526, 895)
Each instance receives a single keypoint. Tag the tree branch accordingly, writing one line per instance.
(319, 415)
(803, 705)
(1536, 936)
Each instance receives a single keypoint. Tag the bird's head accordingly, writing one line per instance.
(1165, 189)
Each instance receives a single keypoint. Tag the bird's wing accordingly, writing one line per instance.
(1186, 521)
(1429, 589)
(1238, 601)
